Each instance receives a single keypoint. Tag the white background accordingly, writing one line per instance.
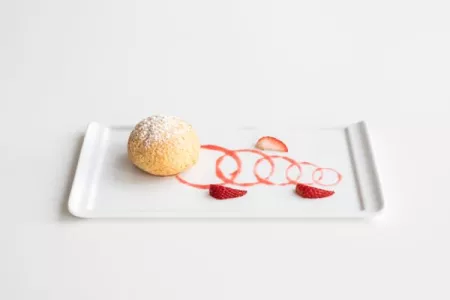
(65, 63)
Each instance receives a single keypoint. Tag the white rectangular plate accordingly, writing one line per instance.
(107, 185)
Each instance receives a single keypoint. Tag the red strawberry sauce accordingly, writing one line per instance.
(230, 179)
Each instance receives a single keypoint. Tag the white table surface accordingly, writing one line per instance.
(65, 63)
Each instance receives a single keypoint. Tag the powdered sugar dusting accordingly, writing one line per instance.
(159, 128)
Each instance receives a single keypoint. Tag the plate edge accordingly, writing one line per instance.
(366, 172)
(93, 132)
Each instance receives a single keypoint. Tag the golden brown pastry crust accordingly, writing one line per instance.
(164, 157)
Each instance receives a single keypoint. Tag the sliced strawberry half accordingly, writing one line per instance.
(271, 143)
(221, 192)
(307, 191)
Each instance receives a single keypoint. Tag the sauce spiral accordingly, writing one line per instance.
(317, 174)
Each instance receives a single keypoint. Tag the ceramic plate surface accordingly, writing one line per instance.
(107, 185)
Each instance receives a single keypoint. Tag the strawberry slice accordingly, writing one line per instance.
(271, 143)
(221, 192)
(310, 192)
